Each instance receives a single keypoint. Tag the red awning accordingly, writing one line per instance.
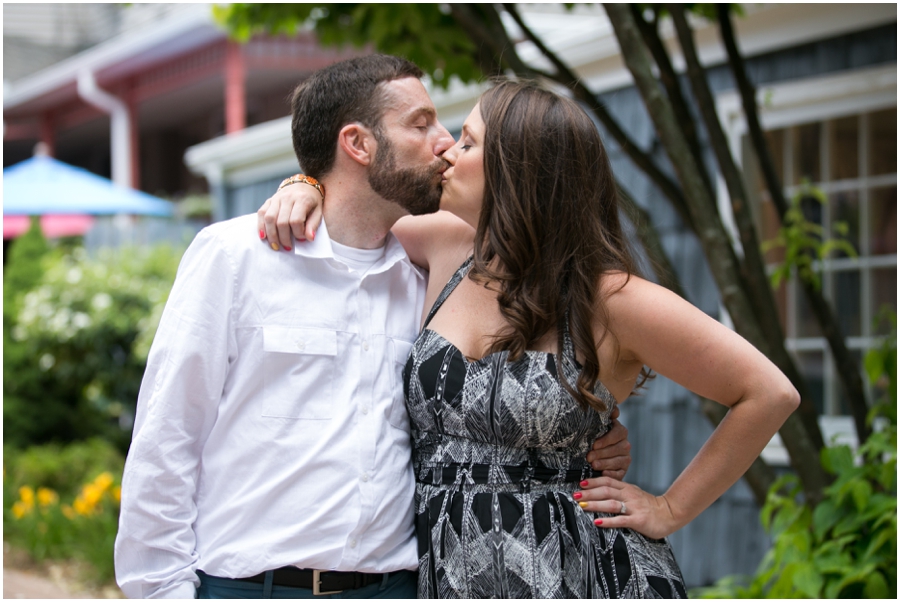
(53, 226)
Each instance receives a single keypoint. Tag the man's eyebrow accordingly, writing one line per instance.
(427, 111)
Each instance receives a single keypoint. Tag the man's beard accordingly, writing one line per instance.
(414, 189)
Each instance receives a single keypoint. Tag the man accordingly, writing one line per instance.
(271, 430)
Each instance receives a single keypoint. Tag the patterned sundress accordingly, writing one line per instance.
(498, 449)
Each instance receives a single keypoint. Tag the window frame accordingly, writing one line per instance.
(794, 103)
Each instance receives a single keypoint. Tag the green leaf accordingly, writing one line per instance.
(833, 563)
(808, 581)
(861, 492)
(876, 586)
(825, 516)
(837, 459)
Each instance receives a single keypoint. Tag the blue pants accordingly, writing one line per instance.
(401, 585)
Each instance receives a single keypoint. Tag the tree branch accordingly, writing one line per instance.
(758, 289)
(669, 79)
(802, 438)
(847, 366)
(644, 162)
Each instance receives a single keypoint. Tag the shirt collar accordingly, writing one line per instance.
(321, 248)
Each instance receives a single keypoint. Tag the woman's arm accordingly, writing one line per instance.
(296, 211)
(657, 328)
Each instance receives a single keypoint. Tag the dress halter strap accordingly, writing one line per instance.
(457, 277)
(454, 281)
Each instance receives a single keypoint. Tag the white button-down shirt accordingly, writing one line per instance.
(271, 428)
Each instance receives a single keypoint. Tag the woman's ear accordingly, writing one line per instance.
(357, 142)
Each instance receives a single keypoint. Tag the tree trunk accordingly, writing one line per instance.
(798, 435)
(847, 366)
(669, 80)
(757, 286)
(649, 237)
(567, 78)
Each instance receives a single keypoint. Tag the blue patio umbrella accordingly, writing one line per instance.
(42, 185)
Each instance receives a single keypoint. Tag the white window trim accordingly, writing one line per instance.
(794, 103)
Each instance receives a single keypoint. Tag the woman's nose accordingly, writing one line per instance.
(450, 155)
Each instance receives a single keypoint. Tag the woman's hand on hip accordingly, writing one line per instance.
(632, 507)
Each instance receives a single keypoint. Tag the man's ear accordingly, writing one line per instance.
(357, 142)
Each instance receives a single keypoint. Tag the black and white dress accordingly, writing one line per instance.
(498, 449)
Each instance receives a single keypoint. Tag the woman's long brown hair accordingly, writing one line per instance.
(549, 225)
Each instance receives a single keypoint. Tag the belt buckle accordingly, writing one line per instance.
(317, 583)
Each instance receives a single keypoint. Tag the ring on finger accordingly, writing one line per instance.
(623, 509)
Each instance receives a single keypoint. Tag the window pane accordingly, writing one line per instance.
(845, 215)
(806, 153)
(812, 365)
(807, 325)
(844, 147)
(883, 221)
(846, 290)
(884, 292)
(812, 209)
(883, 142)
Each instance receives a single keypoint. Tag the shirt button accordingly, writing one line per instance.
(301, 344)
(352, 543)
(364, 478)
(365, 410)
(365, 345)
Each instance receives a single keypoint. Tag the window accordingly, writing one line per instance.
(852, 159)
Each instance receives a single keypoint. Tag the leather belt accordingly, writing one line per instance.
(321, 582)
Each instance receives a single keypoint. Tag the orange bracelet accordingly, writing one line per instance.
(302, 179)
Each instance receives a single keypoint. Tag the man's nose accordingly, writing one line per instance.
(445, 141)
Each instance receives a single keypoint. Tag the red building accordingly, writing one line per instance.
(128, 107)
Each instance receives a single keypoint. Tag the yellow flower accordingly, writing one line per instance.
(91, 494)
(19, 509)
(46, 497)
(81, 507)
(117, 493)
(103, 480)
(68, 512)
(26, 493)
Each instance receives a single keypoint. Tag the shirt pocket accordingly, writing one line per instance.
(399, 417)
(299, 372)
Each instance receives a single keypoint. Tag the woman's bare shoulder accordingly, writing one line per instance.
(436, 238)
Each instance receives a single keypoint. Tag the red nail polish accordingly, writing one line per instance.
(584, 483)
(577, 495)
(262, 234)
(598, 522)
(312, 236)
(287, 248)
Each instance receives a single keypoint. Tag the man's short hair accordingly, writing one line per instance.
(342, 93)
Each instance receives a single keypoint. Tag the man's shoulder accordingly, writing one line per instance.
(236, 234)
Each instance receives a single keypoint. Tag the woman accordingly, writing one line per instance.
(541, 329)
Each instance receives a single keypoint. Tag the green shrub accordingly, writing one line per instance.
(76, 346)
(62, 502)
(61, 468)
(846, 546)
